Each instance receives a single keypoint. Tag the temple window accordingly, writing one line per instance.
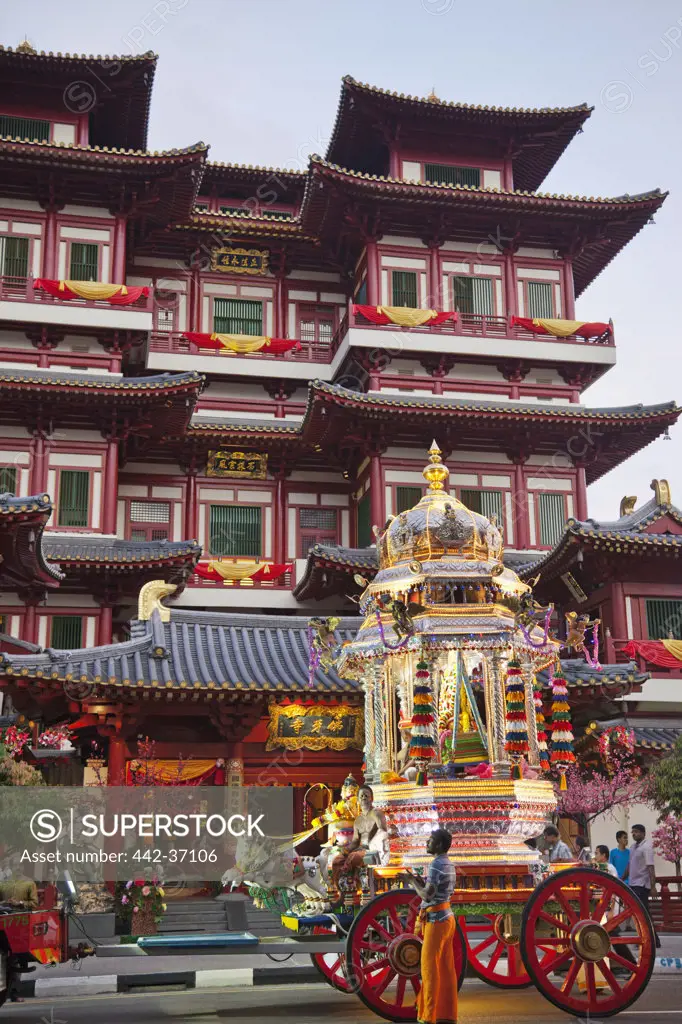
(8, 480)
(165, 307)
(235, 531)
(473, 295)
(445, 174)
(237, 316)
(84, 261)
(32, 128)
(404, 288)
(540, 299)
(316, 526)
(149, 520)
(363, 521)
(487, 503)
(316, 325)
(551, 517)
(13, 258)
(201, 207)
(663, 619)
(406, 498)
(74, 498)
(66, 633)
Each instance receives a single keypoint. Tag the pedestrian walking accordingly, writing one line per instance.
(641, 873)
(437, 999)
(555, 848)
(620, 854)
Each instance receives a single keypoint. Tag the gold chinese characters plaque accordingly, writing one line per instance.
(317, 727)
(240, 261)
(252, 465)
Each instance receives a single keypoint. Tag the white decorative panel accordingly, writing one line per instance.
(492, 179)
(249, 497)
(508, 519)
(96, 511)
(268, 532)
(412, 171)
(291, 533)
(531, 520)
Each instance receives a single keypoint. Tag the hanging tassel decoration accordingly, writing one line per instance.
(562, 783)
(516, 743)
(543, 753)
(423, 743)
(561, 754)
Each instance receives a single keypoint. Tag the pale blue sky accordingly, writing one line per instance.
(259, 80)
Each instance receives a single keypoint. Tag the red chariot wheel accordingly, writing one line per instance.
(332, 966)
(383, 955)
(493, 950)
(587, 942)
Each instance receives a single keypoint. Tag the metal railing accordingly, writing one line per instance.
(16, 289)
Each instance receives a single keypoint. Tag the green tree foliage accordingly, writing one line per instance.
(665, 783)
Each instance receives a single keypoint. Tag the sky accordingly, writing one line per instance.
(260, 80)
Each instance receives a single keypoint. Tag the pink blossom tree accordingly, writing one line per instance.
(589, 794)
(667, 840)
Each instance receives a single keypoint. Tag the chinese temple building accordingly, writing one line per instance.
(224, 377)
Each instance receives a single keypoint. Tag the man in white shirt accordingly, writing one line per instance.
(641, 873)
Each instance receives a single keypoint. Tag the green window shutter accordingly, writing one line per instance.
(364, 525)
(13, 257)
(404, 288)
(8, 480)
(486, 503)
(463, 294)
(445, 174)
(540, 302)
(237, 316)
(235, 531)
(32, 128)
(67, 632)
(406, 498)
(483, 296)
(664, 619)
(74, 497)
(84, 265)
(552, 516)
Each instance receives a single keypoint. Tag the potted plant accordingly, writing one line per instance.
(142, 905)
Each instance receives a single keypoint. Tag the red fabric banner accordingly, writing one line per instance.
(273, 346)
(60, 290)
(266, 571)
(372, 314)
(653, 651)
(582, 329)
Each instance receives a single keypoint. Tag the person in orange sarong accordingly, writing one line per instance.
(437, 999)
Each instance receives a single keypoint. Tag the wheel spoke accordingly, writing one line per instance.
(602, 906)
(613, 922)
(611, 978)
(492, 963)
(572, 974)
(550, 940)
(554, 921)
(373, 947)
(584, 902)
(566, 907)
(397, 924)
(400, 990)
(548, 965)
(385, 982)
(411, 916)
(623, 962)
(416, 983)
(382, 931)
(377, 965)
(483, 945)
(591, 983)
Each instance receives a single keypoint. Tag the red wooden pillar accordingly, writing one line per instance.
(376, 496)
(281, 320)
(581, 494)
(569, 291)
(511, 304)
(435, 298)
(618, 612)
(104, 634)
(30, 629)
(118, 270)
(280, 521)
(373, 275)
(520, 500)
(38, 468)
(195, 300)
(394, 162)
(110, 495)
(50, 251)
(118, 753)
(191, 510)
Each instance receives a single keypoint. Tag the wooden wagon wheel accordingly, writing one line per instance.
(332, 966)
(383, 955)
(587, 942)
(493, 948)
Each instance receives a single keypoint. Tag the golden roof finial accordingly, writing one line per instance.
(435, 473)
(26, 46)
(661, 489)
(432, 98)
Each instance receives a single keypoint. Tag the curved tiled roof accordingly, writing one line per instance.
(24, 562)
(82, 548)
(136, 156)
(82, 58)
(196, 651)
(580, 675)
(101, 382)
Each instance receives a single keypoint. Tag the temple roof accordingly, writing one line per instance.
(203, 651)
(602, 225)
(23, 561)
(28, 395)
(163, 184)
(622, 678)
(656, 736)
(538, 136)
(105, 556)
(117, 89)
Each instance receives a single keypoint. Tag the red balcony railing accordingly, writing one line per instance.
(613, 653)
(20, 289)
(472, 325)
(177, 343)
(285, 581)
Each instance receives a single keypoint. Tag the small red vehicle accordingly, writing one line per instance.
(26, 937)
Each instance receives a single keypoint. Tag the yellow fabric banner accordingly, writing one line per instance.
(93, 289)
(173, 771)
(235, 570)
(559, 328)
(673, 647)
(406, 316)
(241, 342)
